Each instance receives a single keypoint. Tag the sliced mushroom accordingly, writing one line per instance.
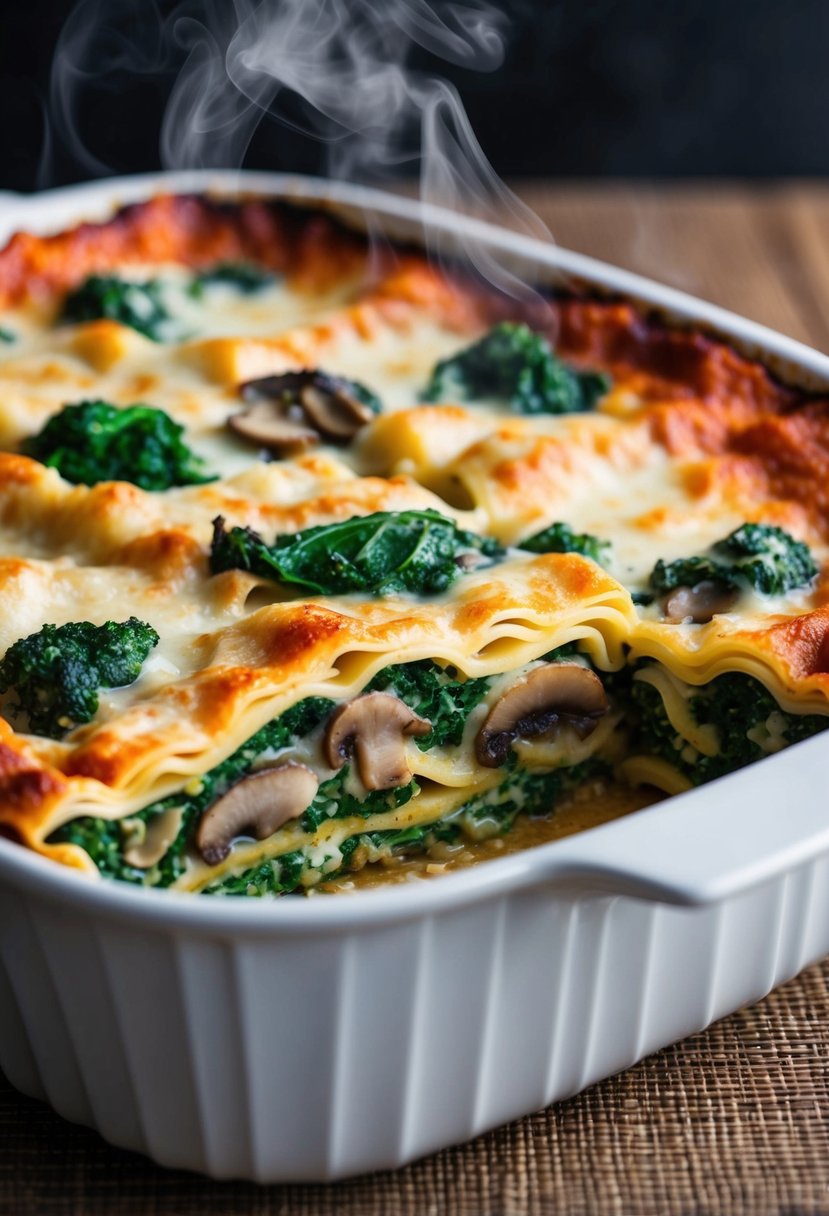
(286, 386)
(333, 410)
(470, 559)
(299, 408)
(150, 845)
(700, 602)
(373, 728)
(557, 693)
(259, 804)
(268, 424)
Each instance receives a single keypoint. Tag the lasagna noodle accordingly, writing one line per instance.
(116, 524)
(695, 742)
(452, 779)
(249, 672)
(447, 779)
(427, 808)
(602, 473)
(789, 655)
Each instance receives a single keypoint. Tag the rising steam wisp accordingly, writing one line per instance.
(338, 70)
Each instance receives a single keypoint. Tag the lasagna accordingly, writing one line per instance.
(314, 556)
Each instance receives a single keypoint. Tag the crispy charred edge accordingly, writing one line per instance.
(191, 230)
(700, 396)
(615, 334)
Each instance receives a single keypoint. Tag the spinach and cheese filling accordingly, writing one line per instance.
(684, 735)
(328, 787)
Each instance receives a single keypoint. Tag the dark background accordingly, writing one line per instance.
(645, 88)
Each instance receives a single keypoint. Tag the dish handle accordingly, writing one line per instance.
(712, 842)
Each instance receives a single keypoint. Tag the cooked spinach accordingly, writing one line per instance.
(560, 538)
(245, 277)
(104, 839)
(427, 688)
(387, 553)
(759, 556)
(95, 441)
(424, 686)
(276, 876)
(334, 800)
(141, 306)
(742, 711)
(58, 672)
(484, 815)
(517, 366)
(430, 690)
(435, 693)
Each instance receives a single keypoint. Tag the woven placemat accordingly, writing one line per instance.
(734, 1120)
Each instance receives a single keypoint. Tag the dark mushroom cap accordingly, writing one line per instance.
(700, 602)
(269, 425)
(259, 804)
(549, 696)
(298, 409)
(374, 728)
(335, 413)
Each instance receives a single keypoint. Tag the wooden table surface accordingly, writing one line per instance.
(760, 250)
(735, 1120)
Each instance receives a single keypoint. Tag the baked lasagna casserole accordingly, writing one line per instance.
(316, 556)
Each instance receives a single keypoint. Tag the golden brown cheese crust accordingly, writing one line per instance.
(723, 436)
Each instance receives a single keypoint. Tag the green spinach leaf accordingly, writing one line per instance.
(560, 538)
(141, 306)
(95, 441)
(760, 556)
(387, 553)
(514, 365)
(58, 672)
(246, 277)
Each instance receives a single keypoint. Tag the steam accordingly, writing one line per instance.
(102, 44)
(337, 70)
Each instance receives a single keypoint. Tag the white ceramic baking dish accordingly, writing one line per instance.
(312, 1039)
